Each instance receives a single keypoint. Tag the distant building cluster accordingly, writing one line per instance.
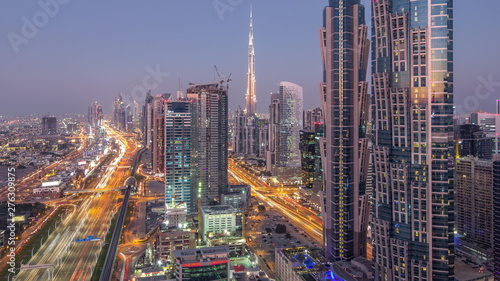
(30, 143)
(394, 175)
(125, 116)
(402, 188)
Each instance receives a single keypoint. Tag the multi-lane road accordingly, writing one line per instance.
(24, 185)
(302, 217)
(76, 260)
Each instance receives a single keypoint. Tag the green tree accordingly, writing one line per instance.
(280, 228)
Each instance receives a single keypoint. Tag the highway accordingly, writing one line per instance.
(302, 217)
(107, 270)
(25, 184)
(135, 238)
(76, 260)
(23, 189)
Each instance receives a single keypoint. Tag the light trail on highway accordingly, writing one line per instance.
(76, 261)
(306, 221)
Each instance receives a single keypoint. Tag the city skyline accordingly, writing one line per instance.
(381, 164)
(99, 60)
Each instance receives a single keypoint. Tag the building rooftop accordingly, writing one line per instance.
(358, 269)
(465, 272)
(198, 254)
(218, 209)
(203, 85)
(185, 253)
(214, 250)
(312, 265)
(51, 183)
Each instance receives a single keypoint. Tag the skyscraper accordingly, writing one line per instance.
(312, 117)
(247, 140)
(344, 46)
(312, 170)
(94, 116)
(136, 115)
(129, 118)
(412, 74)
(49, 125)
(178, 148)
(474, 200)
(285, 123)
(210, 137)
(119, 114)
(246, 134)
(496, 219)
(250, 98)
(158, 135)
(147, 120)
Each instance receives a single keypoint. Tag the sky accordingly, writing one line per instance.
(58, 56)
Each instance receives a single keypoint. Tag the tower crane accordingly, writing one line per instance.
(222, 77)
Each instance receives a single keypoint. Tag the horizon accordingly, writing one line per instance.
(100, 59)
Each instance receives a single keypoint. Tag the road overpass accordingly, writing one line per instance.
(109, 262)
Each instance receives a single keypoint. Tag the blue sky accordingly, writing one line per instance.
(92, 50)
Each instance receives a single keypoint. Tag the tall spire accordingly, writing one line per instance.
(250, 98)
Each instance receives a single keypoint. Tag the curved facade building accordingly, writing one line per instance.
(285, 123)
(345, 101)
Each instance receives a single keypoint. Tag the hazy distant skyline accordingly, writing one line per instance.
(86, 51)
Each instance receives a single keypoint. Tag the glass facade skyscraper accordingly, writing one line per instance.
(345, 101)
(250, 97)
(412, 86)
(178, 148)
(310, 150)
(285, 123)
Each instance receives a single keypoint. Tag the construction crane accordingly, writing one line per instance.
(222, 77)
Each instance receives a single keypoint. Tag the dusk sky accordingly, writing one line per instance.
(90, 50)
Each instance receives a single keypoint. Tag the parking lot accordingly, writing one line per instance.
(264, 243)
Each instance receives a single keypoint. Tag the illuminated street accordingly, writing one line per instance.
(76, 260)
(25, 184)
(302, 217)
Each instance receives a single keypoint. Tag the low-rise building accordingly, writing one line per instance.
(302, 264)
(251, 274)
(202, 264)
(237, 196)
(176, 233)
(218, 220)
(357, 269)
(236, 244)
(49, 190)
(170, 240)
